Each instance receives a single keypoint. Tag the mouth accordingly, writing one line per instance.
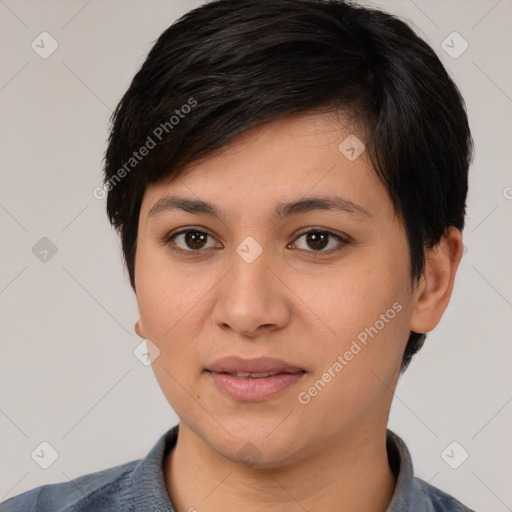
(249, 375)
(253, 380)
(254, 368)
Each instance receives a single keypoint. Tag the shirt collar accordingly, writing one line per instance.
(401, 464)
(150, 492)
(148, 484)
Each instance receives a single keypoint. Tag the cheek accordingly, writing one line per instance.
(166, 294)
(167, 300)
(366, 307)
(358, 364)
(365, 290)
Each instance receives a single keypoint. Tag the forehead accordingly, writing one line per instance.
(290, 159)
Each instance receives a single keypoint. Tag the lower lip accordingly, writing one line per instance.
(247, 389)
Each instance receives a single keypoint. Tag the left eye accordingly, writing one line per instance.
(318, 240)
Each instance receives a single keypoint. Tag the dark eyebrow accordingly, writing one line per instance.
(281, 211)
(308, 204)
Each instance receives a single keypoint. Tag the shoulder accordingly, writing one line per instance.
(436, 500)
(412, 493)
(135, 486)
(108, 489)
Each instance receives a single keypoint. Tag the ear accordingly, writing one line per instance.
(139, 329)
(434, 289)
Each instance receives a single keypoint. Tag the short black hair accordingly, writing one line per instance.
(231, 65)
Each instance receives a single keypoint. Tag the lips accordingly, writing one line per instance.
(254, 368)
(253, 380)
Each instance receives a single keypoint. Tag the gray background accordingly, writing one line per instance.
(68, 373)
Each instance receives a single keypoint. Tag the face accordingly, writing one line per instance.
(320, 288)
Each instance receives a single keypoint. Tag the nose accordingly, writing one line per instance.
(252, 298)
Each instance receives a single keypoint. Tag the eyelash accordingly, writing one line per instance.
(168, 240)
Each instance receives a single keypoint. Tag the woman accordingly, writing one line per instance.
(289, 180)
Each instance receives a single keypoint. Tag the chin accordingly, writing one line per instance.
(258, 446)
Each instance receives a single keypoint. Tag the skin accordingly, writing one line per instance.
(295, 303)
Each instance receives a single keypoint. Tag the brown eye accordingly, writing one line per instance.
(195, 239)
(190, 240)
(317, 240)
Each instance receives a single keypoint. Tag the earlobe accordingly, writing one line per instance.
(435, 287)
(139, 329)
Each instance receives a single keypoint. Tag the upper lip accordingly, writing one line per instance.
(235, 364)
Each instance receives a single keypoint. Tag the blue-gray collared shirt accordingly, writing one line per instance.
(139, 486)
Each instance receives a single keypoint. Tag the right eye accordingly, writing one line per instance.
(190, 240)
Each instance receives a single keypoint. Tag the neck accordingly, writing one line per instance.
(351, 473)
